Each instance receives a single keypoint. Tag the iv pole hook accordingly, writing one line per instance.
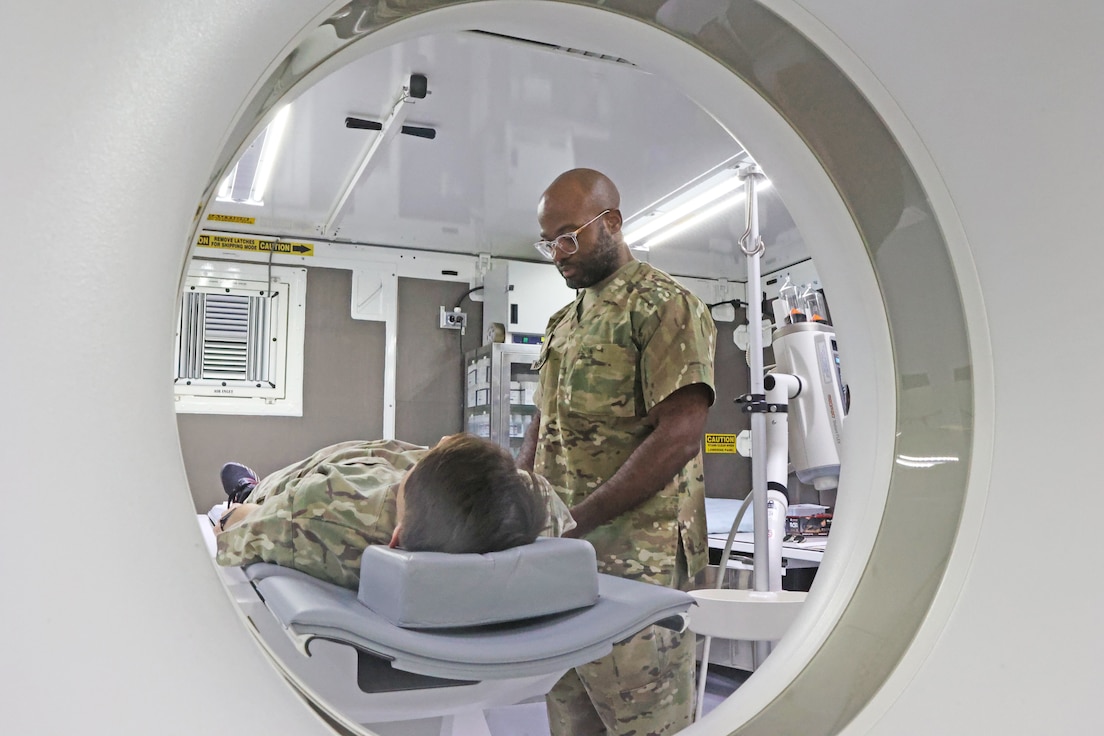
(750, 174)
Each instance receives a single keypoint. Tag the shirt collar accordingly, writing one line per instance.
(625, 272)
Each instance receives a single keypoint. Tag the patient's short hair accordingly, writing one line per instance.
(467, 496)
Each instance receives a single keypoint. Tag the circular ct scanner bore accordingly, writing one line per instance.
(872, 230)
(814, 132)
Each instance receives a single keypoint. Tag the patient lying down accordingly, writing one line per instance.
(463, 495)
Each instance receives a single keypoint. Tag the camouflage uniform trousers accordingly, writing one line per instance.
(644, 687)
(654, 676)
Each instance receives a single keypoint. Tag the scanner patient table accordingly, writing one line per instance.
(433, 634)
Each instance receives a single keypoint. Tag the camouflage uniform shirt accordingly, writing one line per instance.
(320, 514)
(622, 347)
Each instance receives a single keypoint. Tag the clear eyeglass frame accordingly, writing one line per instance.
(568, 243)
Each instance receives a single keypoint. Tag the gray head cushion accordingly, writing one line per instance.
(438, 589)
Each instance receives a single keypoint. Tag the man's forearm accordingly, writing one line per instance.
(676, 439)
(527, 453)
(651, 466)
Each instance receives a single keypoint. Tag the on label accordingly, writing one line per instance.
(254, 245)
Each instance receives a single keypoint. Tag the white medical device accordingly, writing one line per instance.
(807, 351)
(796, 410)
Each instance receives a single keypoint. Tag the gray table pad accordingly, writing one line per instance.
(315, 609)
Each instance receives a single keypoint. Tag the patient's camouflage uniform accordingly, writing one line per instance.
(318, 515)
(621, 348)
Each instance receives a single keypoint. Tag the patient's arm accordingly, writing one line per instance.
(559, 517)
(234, 516)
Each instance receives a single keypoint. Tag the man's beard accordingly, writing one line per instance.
(600, 265)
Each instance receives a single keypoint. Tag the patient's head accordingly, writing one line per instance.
(466, 496)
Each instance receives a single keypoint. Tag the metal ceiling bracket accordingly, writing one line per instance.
(483, 265)
(391, 125)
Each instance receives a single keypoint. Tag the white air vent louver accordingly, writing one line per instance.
(240, 340)
(224, 337)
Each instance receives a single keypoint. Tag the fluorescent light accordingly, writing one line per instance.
(692, 220)
(268, 155)
(226, 189)
(261, 161)
(695, 209)
(650, 225)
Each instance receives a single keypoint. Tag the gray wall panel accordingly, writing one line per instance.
(342, 397)
(728, 476)
(429, 389)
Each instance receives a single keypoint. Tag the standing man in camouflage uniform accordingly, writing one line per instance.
(626, 381)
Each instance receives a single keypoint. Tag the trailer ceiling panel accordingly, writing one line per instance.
(509, 115)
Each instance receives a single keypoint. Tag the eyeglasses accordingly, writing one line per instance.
(567, 243)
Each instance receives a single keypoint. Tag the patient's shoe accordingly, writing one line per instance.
(238, 481)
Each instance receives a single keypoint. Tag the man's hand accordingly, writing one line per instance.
(678, 423)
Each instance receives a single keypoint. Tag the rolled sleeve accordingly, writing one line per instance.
(559, 517)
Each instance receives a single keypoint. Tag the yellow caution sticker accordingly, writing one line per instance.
(724, 444)
(240, 219)
(255, 245)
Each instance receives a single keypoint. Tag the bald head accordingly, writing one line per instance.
(582, 208)
(583, 189)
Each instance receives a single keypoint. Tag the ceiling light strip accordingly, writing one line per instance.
(694, 219)
(654, 224)
(269, 150)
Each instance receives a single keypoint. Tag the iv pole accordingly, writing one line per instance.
(726, 613)
(752, 246)
(739, 614)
